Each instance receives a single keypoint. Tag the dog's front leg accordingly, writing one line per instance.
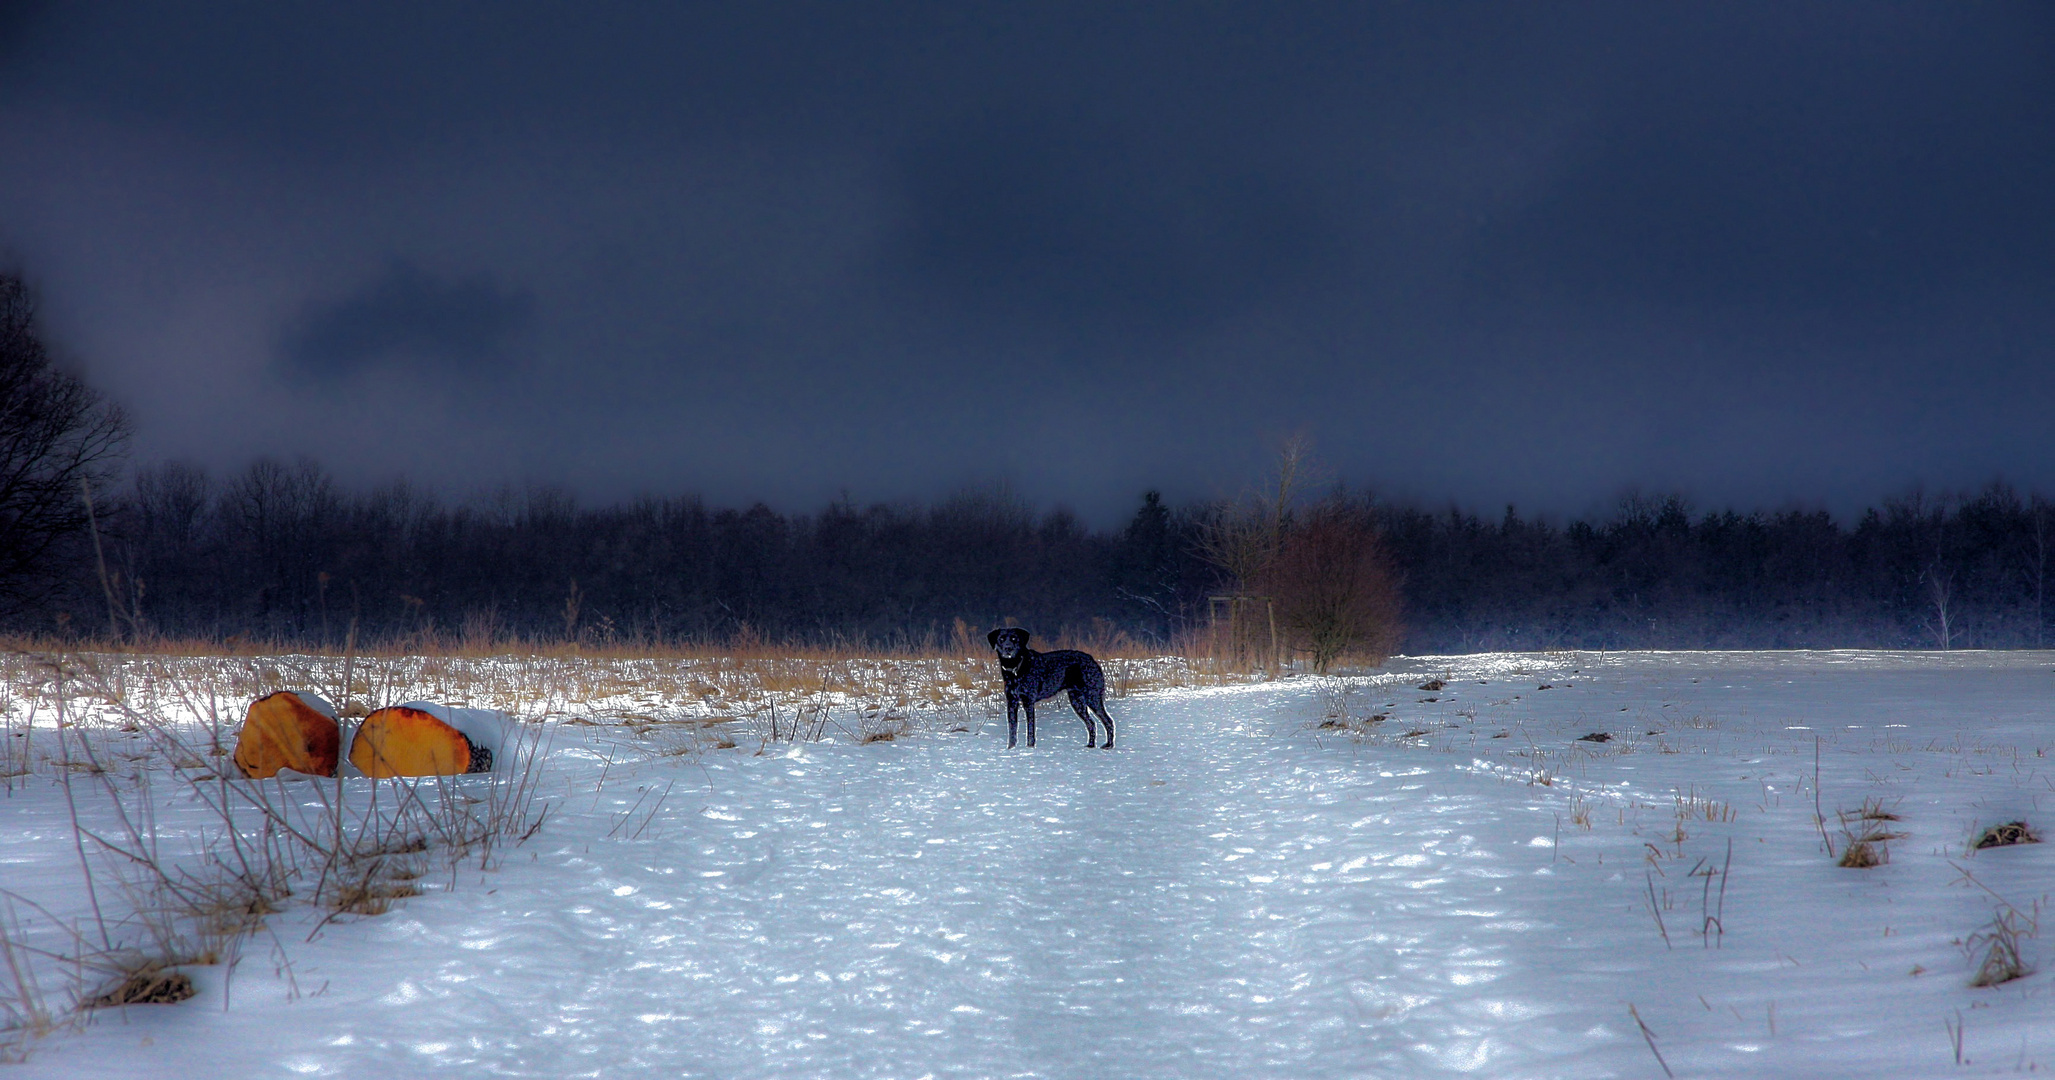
(1029, 705)
(1013, 722)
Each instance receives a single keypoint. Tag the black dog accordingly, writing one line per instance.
(1034, 676)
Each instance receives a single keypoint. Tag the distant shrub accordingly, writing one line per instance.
(1336, 593)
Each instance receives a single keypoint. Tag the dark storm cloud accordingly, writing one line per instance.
(1058, 214)
(17, 21)
(1490, 252)
(1854, 165)
(409, 315)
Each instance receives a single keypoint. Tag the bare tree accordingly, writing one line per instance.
(1336, 594)
(1942, 521)
(1941, 598)
(283, 520)
(58, 437)
(1241, 536)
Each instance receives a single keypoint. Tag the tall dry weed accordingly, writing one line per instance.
(137, 733)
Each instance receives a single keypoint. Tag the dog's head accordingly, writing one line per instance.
(1008, 641)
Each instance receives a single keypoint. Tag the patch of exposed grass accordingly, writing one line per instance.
(1867, 835)
(151, 984)
(1999, 943)
(1693, 806)
(2006, 835)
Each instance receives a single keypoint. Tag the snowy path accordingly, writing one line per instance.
(1205, 901)
(1226, 895)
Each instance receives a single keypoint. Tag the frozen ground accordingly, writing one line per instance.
(1237, 891)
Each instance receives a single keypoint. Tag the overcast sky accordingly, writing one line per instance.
(1760, 254)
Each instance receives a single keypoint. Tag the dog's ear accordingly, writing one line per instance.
(992, 638)
(1023, 636)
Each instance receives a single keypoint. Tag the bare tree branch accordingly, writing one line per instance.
(56, 433)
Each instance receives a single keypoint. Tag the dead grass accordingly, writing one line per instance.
(151, 984)
(755, 692)
(2006, 835)
(1101, 638)
(128, 740)
(1867, 836)
(2001, 960)
(25, 1012)
(1691, 806)
(1999, 944)
(369, 895)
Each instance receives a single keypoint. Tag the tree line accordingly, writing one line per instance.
(280, 552)
(1920, 571)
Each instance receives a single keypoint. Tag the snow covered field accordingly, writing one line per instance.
(1261, 881)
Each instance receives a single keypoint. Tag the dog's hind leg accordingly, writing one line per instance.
(1094, 695)
(1092, 684)
(1098, 703)
(1077, 702)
